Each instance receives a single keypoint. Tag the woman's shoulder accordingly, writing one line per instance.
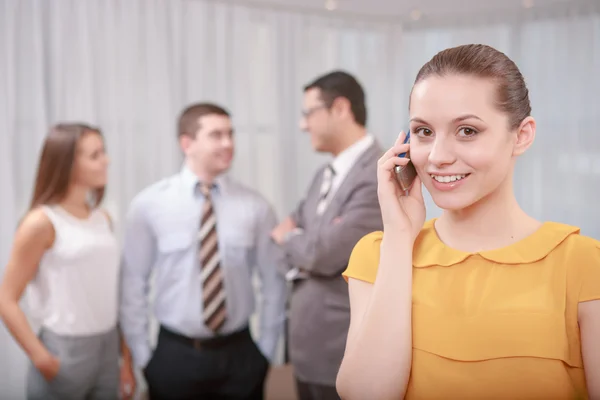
(36, 225)
(567, 240)
(368, 244)
(364, 259)
(580, 255)
(580, 250)
(106, 216)
(37, 220)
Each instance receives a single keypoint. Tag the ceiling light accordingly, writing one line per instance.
(331, 5)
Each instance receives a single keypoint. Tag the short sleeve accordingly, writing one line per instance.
(364, 259)
(589, 270)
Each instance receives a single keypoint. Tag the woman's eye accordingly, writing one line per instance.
(424, 132)
(467, 132)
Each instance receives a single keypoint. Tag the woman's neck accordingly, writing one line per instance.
(493, 222)
(76, 201)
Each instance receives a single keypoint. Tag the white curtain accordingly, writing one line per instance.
(131, 66)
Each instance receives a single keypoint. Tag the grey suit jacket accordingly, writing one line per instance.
(319, 306)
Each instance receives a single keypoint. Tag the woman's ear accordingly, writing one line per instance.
(525, 136)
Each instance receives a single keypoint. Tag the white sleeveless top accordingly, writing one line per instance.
(75, 291)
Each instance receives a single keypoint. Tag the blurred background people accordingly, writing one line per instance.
(65, 252)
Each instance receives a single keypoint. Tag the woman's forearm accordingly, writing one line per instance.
(15, 320)
(378, 357)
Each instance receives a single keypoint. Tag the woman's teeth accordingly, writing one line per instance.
(448, 178)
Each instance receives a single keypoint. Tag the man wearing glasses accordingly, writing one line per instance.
(340, 207)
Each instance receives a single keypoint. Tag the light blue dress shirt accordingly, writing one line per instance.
(161, 236)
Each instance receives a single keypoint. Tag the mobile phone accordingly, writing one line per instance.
(405, 175)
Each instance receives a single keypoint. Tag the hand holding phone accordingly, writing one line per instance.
(405, 174)
(399, 191)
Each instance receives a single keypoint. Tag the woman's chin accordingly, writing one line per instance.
(452, 201)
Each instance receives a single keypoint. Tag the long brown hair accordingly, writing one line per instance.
(56, 164)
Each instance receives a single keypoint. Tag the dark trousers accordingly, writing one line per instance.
(314, 391)
(224, 368)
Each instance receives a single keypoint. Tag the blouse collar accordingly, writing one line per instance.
(432, 251)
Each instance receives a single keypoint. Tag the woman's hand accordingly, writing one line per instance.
(48, 365)
(400, 212)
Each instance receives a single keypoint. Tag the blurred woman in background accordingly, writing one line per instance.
(66, 252)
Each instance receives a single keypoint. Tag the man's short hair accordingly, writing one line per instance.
(341, 84)
(189, 120)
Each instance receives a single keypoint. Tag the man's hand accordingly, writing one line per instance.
(127, 384)
(286, 226)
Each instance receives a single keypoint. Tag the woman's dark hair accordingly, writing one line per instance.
(483, 61)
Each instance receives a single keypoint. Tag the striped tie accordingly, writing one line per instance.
(328, 175)
(213, 290)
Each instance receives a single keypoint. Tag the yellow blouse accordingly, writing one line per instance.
(498, 324)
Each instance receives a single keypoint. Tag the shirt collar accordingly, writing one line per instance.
(190, 180)
(344, 161)
(432, 251)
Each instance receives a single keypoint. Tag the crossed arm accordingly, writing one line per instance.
(324, 250)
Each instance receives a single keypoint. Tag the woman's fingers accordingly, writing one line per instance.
(397, 148)
(416, 189)
(400, 138)
(390, 163)
(394, 152)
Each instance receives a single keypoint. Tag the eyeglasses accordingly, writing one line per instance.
(310, 111)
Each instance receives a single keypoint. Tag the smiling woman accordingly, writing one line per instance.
(467, 107)
(484, 302)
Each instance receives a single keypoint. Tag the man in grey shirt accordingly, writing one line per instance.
(203, 235)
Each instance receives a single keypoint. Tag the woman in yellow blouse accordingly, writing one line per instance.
(484, 302)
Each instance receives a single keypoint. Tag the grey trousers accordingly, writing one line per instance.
(89, 368)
